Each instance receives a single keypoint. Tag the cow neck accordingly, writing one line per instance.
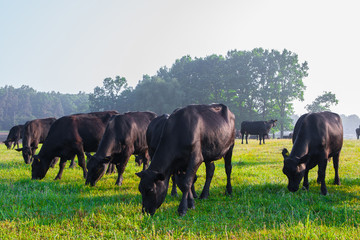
(299, 150)
(162, 163)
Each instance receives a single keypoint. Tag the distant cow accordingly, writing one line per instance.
(357, 132)
(317, 137)
(15, 134)
(260, 128)
(191, 135)
(69, 136)
(35, 132)
(124, 136)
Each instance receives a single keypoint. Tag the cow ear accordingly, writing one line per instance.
(139, 174)
(19, 149)
(159, 177)
(285, 153)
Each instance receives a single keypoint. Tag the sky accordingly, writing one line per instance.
(73, 45)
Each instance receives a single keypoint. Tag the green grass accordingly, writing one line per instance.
(260, 207)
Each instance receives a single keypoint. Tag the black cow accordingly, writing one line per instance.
(15, 134)
(153, 134)
(69, 136)
(317, 137)
(260, 128)
(357, 132)
(35, 132)
(191, 135)
(124, 136)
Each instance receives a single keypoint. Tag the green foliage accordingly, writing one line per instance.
(108, 97)
(256, 85)
(260, 207)
(322, 103)
(18, 105)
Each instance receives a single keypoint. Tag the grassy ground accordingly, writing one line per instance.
(260, 208)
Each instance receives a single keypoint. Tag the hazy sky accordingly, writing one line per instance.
(72, 45)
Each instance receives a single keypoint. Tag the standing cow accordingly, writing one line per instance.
(317, 137)
(191, 135)
(69, 136)
(124, 136)
(357, 132)
(261, 128)
(15, 134)
(35, 132)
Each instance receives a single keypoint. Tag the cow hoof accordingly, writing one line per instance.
(204, 196)
(337, 182)
(182, 213)
(174, 194)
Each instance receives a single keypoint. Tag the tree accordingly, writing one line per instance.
(108, 97)
(286, 85)
(322, 103)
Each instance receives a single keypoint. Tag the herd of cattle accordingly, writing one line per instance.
(172, 145)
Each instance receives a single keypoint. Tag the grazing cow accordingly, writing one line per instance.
(15, 134)
(153, 134)
(317, 137)
(124, 136)
(357, 132)
(191, 135)
(35, 132)
(260, 128)
(69, 136)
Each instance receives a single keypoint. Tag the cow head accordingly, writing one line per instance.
(294, 169)
(7, 144)
(139, 159)
(272, 123)
(153, 189)
(39, 168)
(96, 169)
(27, 153)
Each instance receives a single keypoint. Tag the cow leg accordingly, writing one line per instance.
(336, 167)
(173, 189)
(54, 162)
(210, 168)
(242, 138)
(306, 180)
(228, 168)
(146, 160)
(321, 175)
(187, 200)
(246, 138)
(121, 165)
(61, 168)
(72, 164)
(110, 169)
(81, 162)
(260, 138)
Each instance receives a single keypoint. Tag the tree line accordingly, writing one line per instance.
(18, 105)
(256, 85)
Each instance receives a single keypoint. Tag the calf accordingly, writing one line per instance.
(260, 128)
(35, 132)
(15, 134)
(69, 136)
(124, 136)
(191, 135)
(317, 137)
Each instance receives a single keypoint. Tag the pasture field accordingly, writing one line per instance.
(260, 207)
